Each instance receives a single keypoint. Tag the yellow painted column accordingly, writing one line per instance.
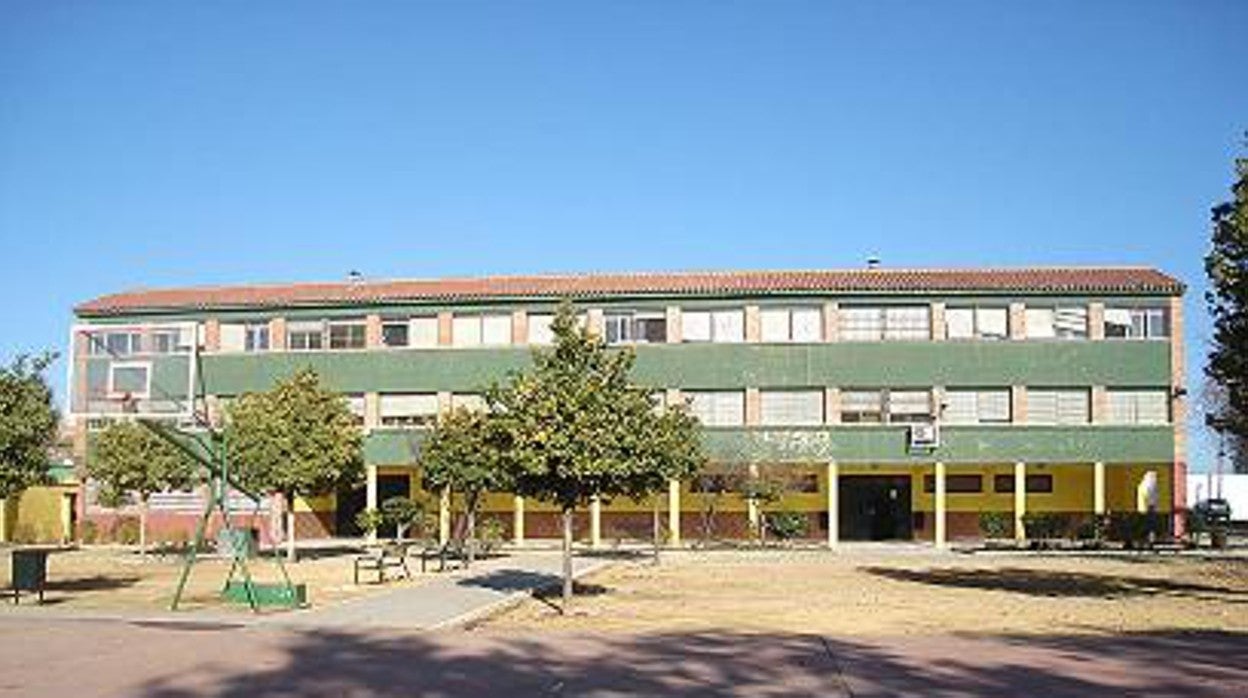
(673, 512)
(517, 519)
(1020, 500)
(941, 535)
(595, 523)
(1098, 487)
(370, 495)
(834, 512)
(4, 520)
(751, 506)
(67, 518)
(444, 516)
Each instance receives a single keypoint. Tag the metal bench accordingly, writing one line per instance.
(392, 556)
(451, 552)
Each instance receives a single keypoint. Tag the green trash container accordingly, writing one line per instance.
(30, 571)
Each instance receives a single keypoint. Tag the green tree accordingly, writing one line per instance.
(575, 427)
(466, 454)
(28, 424)
(128, 458)
(297, 439)
(1227, 298)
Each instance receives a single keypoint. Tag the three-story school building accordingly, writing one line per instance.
(891, 403)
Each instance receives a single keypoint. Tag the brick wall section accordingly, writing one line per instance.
(832, 405)
(1100, 404)
(519, 327)
(372, 331)
(753, 407)
(1018, 321)
(675, 333)
(1018, 404)
(1096, 320)
(753, 324)
(1178, 412)
(594, 320)
(938, 321)
(212, 334)
(831, 322)
(277, 333)
(446, 326)
(372, 410)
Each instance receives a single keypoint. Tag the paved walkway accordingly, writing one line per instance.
(449, 599)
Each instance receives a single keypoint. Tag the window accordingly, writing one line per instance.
(1139, 406)
(622, 328)
(479, 330)
(469, 401)
(1039, 484)
(909, 406)
(1057, 323)
(955, 484)
(424, 332)
(1057, 406)
(718, 408)
(791, 407)
(977, 323)
(976, 407)
(232, 336)
(395, 333)
(305, 336)
(165, 341)
(722, 326)
(347, 335)
(129, 380)
(1135, 323)
(862, 406)
(801, 483)
(409, 410)
(116, 343)
(355, 403)
(791, 324)
(539, 329)
(717, 483)
(891, 323)
(256, 338)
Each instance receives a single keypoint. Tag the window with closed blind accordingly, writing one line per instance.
(977, 323)
(469, 401)
(424, 332)
(963, 406)
(1057, 323)
(791, 407)
(891, 406)
(886, 323)
(540, 329)
(1139, 406)
(1058, 406)
(719, 408)
(481, 330)
(723, 326)
(409, 410)
(791, 324)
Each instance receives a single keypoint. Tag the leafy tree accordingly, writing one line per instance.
(28, 423)
(296, 439)
(128, 458)
(575, 426)
(466, 454)
(1227, 268)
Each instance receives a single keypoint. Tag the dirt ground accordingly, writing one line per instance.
(116, 579)
(885, 593)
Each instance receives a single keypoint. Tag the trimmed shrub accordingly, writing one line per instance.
(786, 525)
(1046, 526)
(996, 524)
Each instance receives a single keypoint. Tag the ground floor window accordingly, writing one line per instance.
(1039, 484)
(955, 484)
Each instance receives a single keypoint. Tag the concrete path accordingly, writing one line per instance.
(450, 599)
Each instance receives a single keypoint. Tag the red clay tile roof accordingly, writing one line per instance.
(1111, 280)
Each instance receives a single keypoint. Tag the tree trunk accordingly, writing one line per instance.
(290, 528)
(4, 519)
(143, 528)
(657, 526)
(567, 560)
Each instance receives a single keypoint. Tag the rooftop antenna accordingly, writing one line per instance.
(355, 276)
(873, 262)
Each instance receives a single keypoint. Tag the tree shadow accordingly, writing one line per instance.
(97, 582)
(708, 664)
(1033, 582)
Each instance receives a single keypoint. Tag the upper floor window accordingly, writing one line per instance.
(256, 338)
(305, 336)
(721, 408)
(879, 406)
(1048, 406)
(540, 329)
(1069, 322)
(119, 343)
(976, 407)
(481, 330)
(893, 322)
(355, 403)
(347, 335)
(396, 333)
(791, 407)
(977, 323)
(409, 410)
(1135, 323)
(622, 328)
(424, 331)
(469, 401)
(791, 324)
(1139, 406)
(167, 341)
(238, 336)
(713, 326)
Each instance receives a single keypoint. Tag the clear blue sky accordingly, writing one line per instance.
(159, 143)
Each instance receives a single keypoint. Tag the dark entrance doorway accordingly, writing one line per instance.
(352, 502)
(875, 507)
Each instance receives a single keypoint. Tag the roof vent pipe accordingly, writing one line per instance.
(873, 262)
(355, 277)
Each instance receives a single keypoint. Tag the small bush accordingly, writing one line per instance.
(786, 525)
(1046, 526)
(996, 524)
(1134, 530)
(88, 532)
(369, 520)
(491, 533)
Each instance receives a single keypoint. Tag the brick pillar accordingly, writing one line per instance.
(938, 321)
(1100, 404)
(831, 322)
(832, 405)
(1018, 321)
(277, 334)
(1096, 320)
(446, 329)
(372, 410)
(674, 330)
(753, 407)
(1018, 404)
(593, 321)
(672, 396)
(444, 401)
(753, 324)
(519, 327)
(212, 334)
(1178, 414)
(372, 331)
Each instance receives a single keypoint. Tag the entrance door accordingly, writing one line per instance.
(875, 507)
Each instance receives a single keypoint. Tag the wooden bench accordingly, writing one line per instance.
(452, 552)
(381, 559)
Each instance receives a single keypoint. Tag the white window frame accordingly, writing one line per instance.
(778, 324)
(978, 322)
(979, 399)
(309, 327)
(539, 330)
(396, 322)
(790, 407)
(362, 325)
(422, 332)
(1059, 395)
(884, 323)
(716, 323)
(1123, 406)
(1055, 328)
(1139, 322)
(707, 403)
(414, 417)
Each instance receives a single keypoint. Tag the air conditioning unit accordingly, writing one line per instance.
(924, 436)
